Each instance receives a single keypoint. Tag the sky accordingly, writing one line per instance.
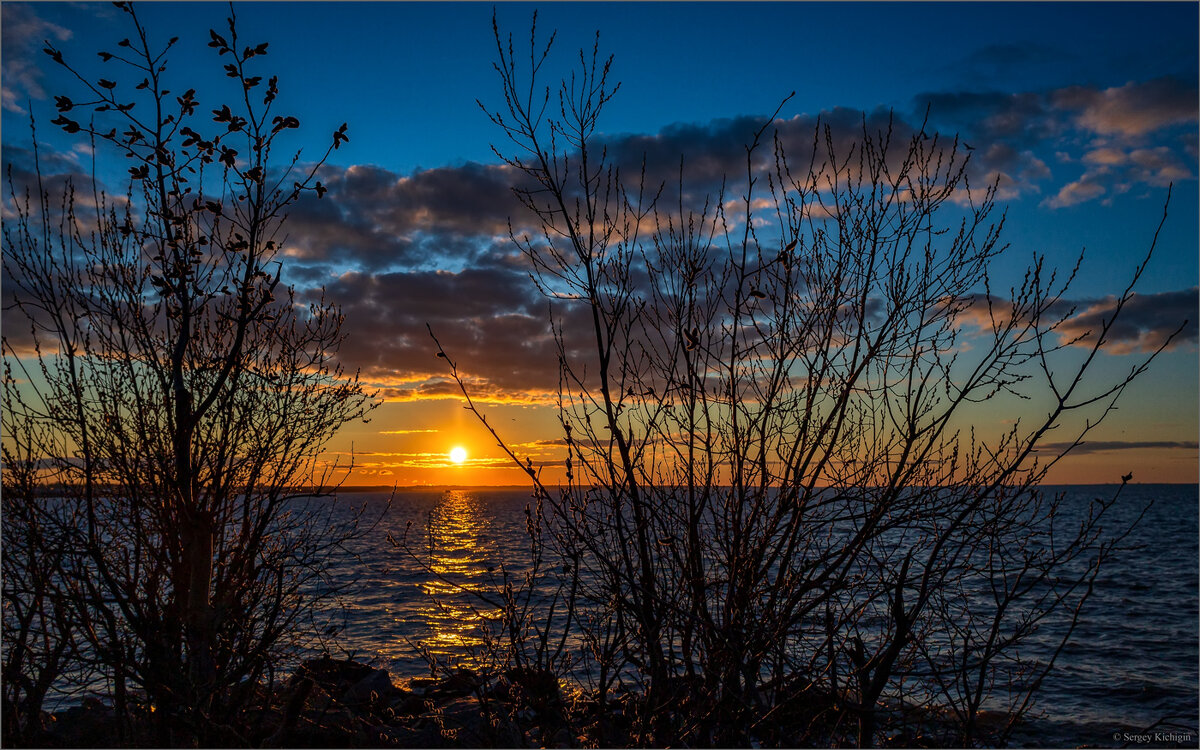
(1085, 111)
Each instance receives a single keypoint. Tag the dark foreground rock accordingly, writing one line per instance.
(335, 703)
(332, 703)
(350, 704)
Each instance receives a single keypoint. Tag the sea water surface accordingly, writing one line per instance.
(1132, 664)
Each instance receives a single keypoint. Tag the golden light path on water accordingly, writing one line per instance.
(458, 535)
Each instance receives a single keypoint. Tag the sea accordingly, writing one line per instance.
(1129, 677)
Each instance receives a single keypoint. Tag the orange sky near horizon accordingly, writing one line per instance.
(408, 444)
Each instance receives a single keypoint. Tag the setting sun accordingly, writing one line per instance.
(458, 454)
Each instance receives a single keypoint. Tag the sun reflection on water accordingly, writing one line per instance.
(458, 543)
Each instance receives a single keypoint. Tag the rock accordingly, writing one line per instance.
(375, 688)
(328, 667)
(422, 684)
(562, 738)
(407, 703)
(463, 723)
(336, 676)
(332, 726)
(454, 685)
(91, 724)
(318, 699)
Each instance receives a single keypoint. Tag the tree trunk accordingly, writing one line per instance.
(198, 619)
(866, 726)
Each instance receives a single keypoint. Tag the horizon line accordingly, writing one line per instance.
(390, 487)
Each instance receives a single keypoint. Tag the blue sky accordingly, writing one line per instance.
(1085, 111)
(406, 75)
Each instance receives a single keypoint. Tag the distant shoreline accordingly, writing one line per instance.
(430, 487)
(359, 489)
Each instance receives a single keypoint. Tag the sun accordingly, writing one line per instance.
(458, 454)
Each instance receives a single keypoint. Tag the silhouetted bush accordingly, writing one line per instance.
(781, 520)
(165, 401)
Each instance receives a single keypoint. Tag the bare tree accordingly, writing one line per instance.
(775, 492)
(39, 631)
(172, 388)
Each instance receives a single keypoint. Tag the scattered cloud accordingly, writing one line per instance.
(1090, 186)
(21, 34)
(546, 444)
(1019, 119)
(1108, 130)
(1105, 446)
(1156, 166)
(373, 219)
(372, 463)
(1144, 324)
(1113, 170)
(1146, 321)
(1105, 155)
(1135, 109)
(709, 155)
(490, 319)
(401, 252)
(57, 170)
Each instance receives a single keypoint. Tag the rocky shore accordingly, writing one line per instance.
(338, 703)
(335, 703)
(342, 703)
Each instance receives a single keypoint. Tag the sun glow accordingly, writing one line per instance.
(458, 454)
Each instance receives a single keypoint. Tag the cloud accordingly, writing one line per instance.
(400, 251)
(1105, 156)
(431, 248)
(58, 171)
(1146, 321)
(1117, 170)
(21, 36)
(1135, 109)
(1105, 446)
(713, 150)
(39, 254)
(375, 219)
(373, 463)
(1156, 166)
(1124, 134)
(713, 154)
(490, 318)
(1020, 119)
(1090, 186)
